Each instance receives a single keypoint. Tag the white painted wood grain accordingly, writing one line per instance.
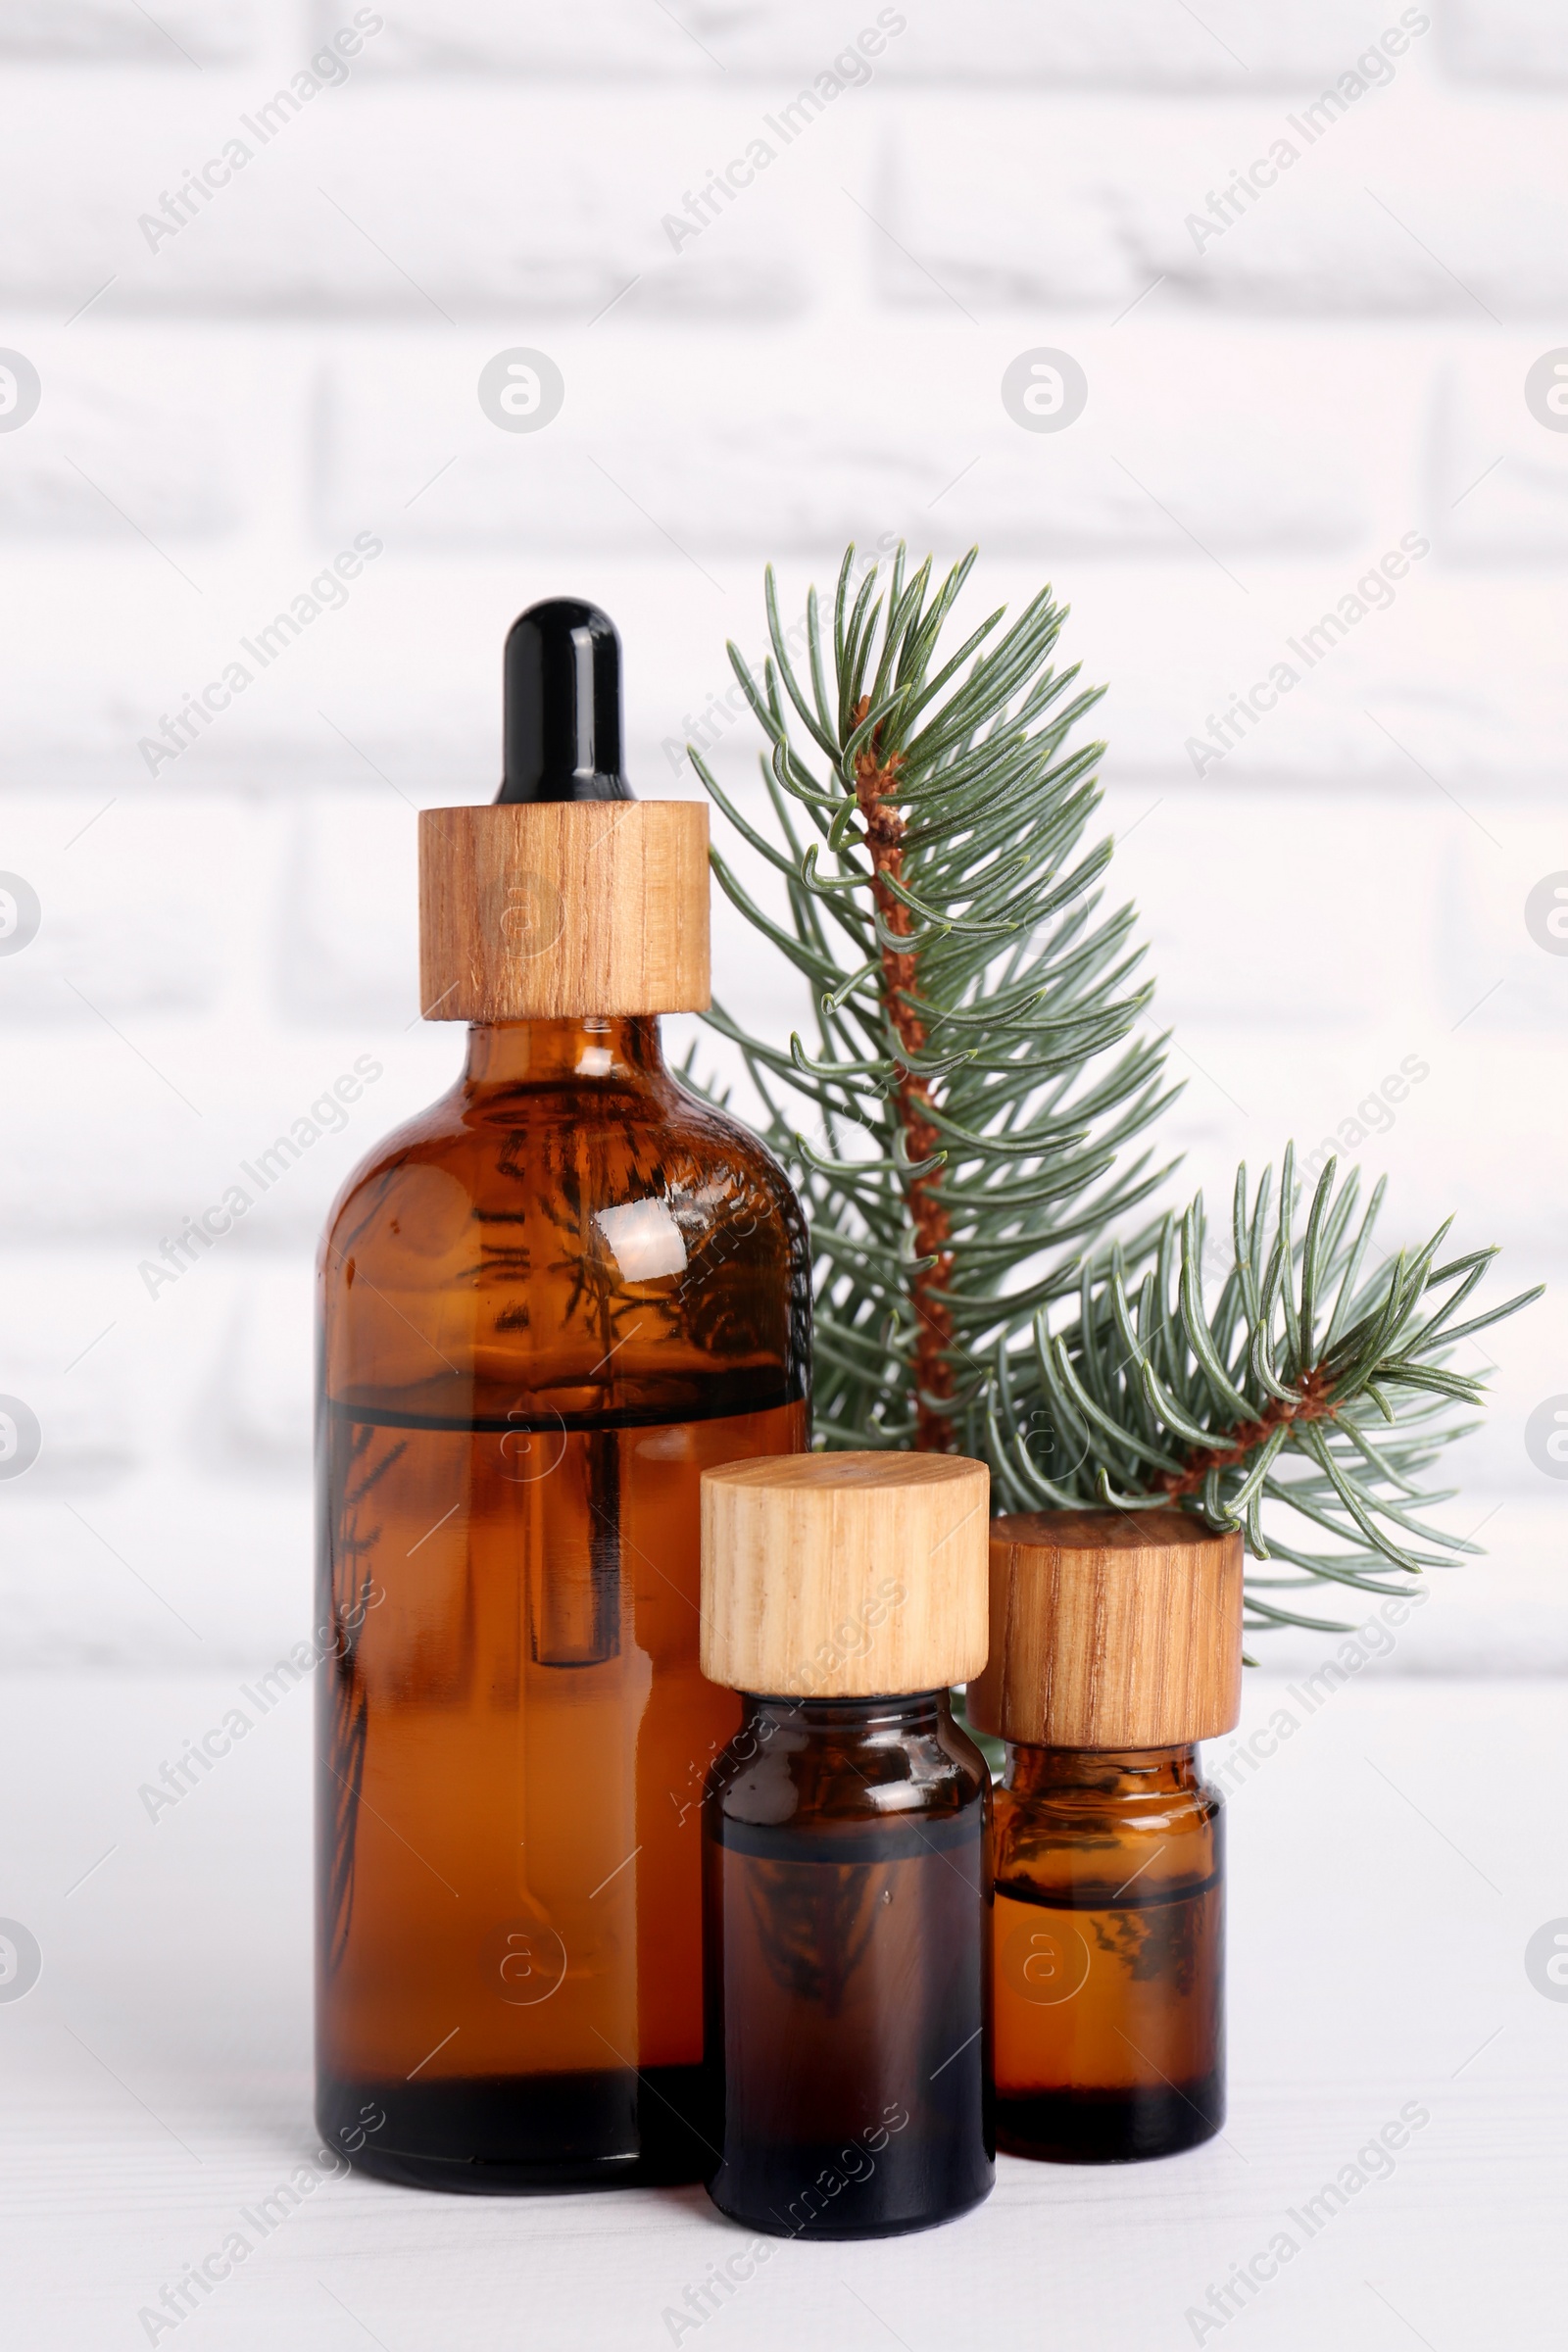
(157, 2080)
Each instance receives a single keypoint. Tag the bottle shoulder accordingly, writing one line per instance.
(420, 1140)
(774, 1773)
(552, 1137)
(563, 1241)
(1072, 1844)
(725, 1132)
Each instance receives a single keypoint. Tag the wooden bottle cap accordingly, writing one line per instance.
(1111, 1629)
(551, 909)
(844, 1575)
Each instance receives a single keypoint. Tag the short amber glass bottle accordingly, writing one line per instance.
(1115, 1646)
(547, 1303)
(846, 1851)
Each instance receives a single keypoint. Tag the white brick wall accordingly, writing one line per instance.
(225, 407)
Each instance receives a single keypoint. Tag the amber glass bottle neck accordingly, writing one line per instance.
(619, 1046)
(843, 1721)
(1105, 1772)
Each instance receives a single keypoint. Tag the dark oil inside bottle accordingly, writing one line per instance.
(533, 1950)
(1110, 1956)
(512, 1728)
(847, 1856)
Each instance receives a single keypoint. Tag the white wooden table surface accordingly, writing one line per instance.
(1389, 1865)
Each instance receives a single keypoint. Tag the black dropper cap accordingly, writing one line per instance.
(562, 727)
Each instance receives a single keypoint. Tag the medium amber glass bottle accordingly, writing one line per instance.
(547, 1303)
(1115, 1646)
(846, 1851)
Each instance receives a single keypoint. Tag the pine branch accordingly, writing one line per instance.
(963, 1128)
(1252, 1411)
(955, 1124)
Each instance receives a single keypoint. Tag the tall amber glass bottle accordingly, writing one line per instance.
(1115, 1646)
(548, 1303)
(846, 1850)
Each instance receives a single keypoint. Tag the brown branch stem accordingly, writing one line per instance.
(1314, 1403)
(875, 784)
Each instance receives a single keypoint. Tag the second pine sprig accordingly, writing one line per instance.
(1319, 1385)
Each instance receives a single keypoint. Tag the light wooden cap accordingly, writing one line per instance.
(844, 1575)
(1111, 1629)
(549, 909)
